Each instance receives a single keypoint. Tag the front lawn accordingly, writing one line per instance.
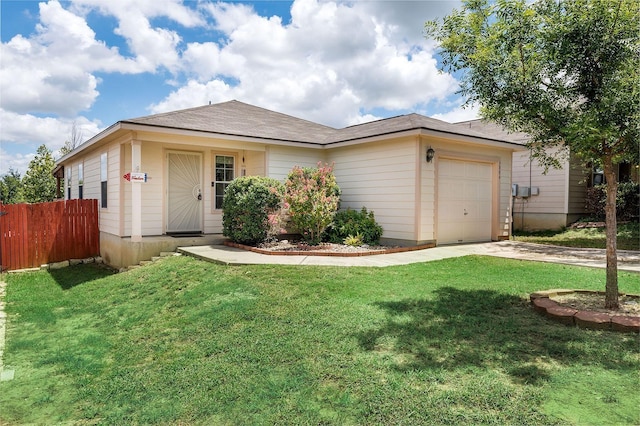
(183, 341)
(628, 237)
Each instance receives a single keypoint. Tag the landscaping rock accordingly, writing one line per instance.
(562, 314)
(59, 265)
(626, 324)
(593, 320)
(541, 304)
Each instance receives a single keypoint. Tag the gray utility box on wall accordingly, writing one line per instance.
(524, 191)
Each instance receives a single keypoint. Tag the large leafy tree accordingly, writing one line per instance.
(563, 71)
(38, 183)
(11, 187)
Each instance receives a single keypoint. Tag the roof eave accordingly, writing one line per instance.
(219, 135)
(423, 131)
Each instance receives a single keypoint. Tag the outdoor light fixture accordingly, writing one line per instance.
(430, 154)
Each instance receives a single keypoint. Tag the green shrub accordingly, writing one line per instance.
(354, 241)
(351, 222)
(627, 201)
(312, 197)
(251, 209)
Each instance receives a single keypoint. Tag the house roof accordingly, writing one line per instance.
(405, 123)
(493, 130)
(238, 119)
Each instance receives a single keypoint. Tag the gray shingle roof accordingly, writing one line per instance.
(493, 130)
(241, 119)
(409, 122)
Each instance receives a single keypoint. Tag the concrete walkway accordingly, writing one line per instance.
(627, 260)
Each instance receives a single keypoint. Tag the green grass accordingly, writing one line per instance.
(182, 341)
(628, 237)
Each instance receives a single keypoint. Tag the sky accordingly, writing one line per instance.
(92, 63)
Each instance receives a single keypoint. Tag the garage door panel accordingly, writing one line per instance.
(464, 201)
(449, 191)
(474, 232)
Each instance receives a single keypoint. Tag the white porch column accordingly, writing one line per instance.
(136, 192)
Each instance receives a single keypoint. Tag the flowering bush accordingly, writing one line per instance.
(313, 197)
(251, 209)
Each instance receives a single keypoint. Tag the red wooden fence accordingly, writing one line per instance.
(35, 234)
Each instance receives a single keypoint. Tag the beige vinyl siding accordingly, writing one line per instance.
(505, 204)
(91, 187)
(73, 169)
(281, 159)
(125, 167)
(109, 217)
(75, 182)
(152, 164)
(381, 177)
(254, 163)
(427, 199)
(578, 176)
(552, 186)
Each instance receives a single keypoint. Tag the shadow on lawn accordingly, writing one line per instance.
(72, 276)
(483, 328)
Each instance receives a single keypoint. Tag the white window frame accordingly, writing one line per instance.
(69, 173)
(80, 180)
(104, 176)
(216, 184)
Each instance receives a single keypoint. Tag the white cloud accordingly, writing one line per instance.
(152, 47)
(32, 131)
(331, 62)
(18, 161)
(405, 18)
(53, 71)
(195, 93)
(458, 114)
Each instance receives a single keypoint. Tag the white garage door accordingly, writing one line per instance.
(464, 201)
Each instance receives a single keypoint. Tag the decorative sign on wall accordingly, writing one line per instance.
(135, 177)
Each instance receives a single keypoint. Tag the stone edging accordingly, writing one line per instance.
(331, 254)
(58, 265)
(543, 303)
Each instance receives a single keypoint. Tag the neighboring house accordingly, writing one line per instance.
(552, 200)
(164, 175)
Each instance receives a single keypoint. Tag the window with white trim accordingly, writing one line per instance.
(80, 179)
(224, 173)
(68, 172)
(103, 180)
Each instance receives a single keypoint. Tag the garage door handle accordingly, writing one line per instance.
(465, 212)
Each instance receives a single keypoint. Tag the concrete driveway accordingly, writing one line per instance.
(627, 260)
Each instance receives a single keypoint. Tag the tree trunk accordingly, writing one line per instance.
(611, 292)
